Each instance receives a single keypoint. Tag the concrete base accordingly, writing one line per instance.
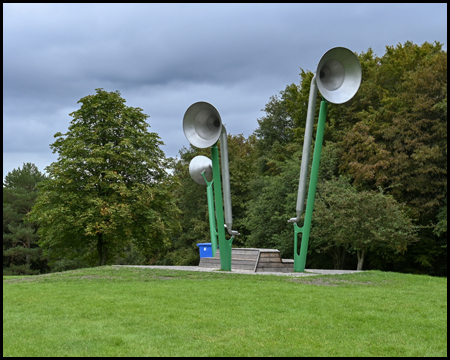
(308, 272)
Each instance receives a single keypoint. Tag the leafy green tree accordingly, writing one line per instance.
(273, 200)
(275, 131)
(276, 125)
(109, 186)
(272, 203)
(359, 221)
(441, 226)
(400, 142)
(192, 199)
(243, 168)
(21, 254)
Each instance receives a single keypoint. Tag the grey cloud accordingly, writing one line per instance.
(164, 57)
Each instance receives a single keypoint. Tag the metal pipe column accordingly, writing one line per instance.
(300, 260)
(224, 244)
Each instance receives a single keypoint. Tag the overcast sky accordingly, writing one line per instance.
(164, 57)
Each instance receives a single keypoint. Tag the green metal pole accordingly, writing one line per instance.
(224, 244)
(300, 260)
(212, 220)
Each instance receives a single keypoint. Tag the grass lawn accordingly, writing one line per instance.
(116, 311)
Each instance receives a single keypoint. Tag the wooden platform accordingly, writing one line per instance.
(257, 260)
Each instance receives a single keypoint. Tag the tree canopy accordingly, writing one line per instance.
(21, 254)
(359, 221)
(109, 186)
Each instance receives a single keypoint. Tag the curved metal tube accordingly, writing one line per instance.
(226, 182)
(306, 150)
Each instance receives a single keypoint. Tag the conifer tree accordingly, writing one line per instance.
(21, 254)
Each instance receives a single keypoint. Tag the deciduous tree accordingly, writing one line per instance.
(192, 199)
(109, 185)
(401, 140)
(359, 221)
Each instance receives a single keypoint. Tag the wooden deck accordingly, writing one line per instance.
(252, 259)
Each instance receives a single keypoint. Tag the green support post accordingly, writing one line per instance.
(224, 244)
(212, 220)
(300, 260)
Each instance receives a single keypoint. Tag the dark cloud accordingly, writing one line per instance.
(164, 57)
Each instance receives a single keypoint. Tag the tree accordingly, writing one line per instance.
(192, 199)
(399, 141)
(276, 125)
(359, 221)
(402, 138)
(242, 155)
(21, 254)
(275, 131)
(272, 202)
(109, 186)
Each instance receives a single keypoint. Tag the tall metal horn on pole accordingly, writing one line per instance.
(338, 77)
(202, 126)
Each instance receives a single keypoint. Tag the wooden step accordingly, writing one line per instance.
(243, 254)
(236, 264)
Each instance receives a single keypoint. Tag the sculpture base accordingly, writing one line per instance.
(252, 259)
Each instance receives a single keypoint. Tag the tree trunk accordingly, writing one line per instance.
(339, 257)
(360, 255)
(100, 249)
(28, 257)
(336, 258)
(104, 254)
(344, 252)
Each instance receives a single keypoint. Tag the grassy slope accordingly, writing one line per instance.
(111, 311)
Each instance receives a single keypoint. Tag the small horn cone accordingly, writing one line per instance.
(202, 124)
(338, 75)
(199, 164)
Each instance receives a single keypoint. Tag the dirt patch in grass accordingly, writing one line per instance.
(38, 278)
(326, 282)
(9, 281)
(95, 277)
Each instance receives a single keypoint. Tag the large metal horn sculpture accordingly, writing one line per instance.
(203, 128)
(339, 77)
